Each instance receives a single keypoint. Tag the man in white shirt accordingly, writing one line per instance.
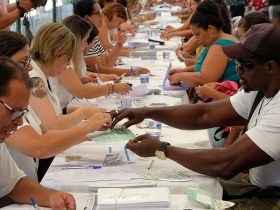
(15, 88)
(258, 150)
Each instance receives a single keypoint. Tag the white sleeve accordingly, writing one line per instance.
(9, 172)
(266, 134)
(242, 102)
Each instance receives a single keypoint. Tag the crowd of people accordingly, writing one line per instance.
(233, 74)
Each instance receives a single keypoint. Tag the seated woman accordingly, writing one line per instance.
(212, 64)
(209, 90)
(133, 10)
(68, 84)
(98, 56)
(39, 143)
(114, 15)
(183, 31)
(187, 52)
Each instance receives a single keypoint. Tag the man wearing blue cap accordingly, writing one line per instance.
(258, 106)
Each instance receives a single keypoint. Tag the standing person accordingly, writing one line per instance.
(257, 150)
(274, 11)
(12, 12)
(15, 88)
(237, 7)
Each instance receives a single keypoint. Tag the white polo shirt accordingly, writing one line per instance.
(264, 131)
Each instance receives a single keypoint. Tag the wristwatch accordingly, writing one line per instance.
(21, 9)
(160, 152)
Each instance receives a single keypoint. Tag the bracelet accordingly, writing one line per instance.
(110, 86)
(21, 9)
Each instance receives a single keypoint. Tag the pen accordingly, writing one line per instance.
(93, 167)
(121, 77)
(33, 202)
(97, 70)
(150, 166)
(110, 149)
(126, 154)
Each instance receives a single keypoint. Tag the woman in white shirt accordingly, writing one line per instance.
(30, 140)
(70, 82)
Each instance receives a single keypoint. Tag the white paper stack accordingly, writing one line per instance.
(157, 198)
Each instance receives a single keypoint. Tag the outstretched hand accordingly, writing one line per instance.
(134, 116)
(144, 145)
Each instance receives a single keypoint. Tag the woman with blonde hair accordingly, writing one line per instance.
(68, 83)
(114, 15)
(39, 143)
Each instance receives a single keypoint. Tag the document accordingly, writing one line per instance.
(90, 174)
(115, 135)
(133, 198)
(83, 201)
(171, 175)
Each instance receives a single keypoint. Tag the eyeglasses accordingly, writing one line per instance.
(15, 114)
(96, 13)
(246, 66)
(26, 61)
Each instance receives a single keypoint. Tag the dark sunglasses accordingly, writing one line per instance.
(14, 113)
(247, 66)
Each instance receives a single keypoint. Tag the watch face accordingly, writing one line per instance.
(160, 155)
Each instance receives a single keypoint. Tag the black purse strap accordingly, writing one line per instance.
(257, 100)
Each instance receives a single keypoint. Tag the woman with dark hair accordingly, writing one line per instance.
(187, 52)
(97, 55)
(183, 31)
(250, 20)
(212, 64)
(15, 46)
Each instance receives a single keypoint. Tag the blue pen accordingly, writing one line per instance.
(126, 154)
(33, 202)
(110, 149)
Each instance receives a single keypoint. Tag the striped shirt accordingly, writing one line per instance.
(96, 48)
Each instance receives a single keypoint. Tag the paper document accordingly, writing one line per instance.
(88, 174)
(115, 135)
(171, 175)
(133, 198)
(83, 201)
(121, 184)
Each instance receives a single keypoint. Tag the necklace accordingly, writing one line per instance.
(262, 106)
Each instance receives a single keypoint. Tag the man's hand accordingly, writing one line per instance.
(27, 5)
(144, 145)
(134, 116)
(62, 200)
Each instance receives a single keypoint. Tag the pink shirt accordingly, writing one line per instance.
(3, 9)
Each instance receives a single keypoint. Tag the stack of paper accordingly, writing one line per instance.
(133, 198)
